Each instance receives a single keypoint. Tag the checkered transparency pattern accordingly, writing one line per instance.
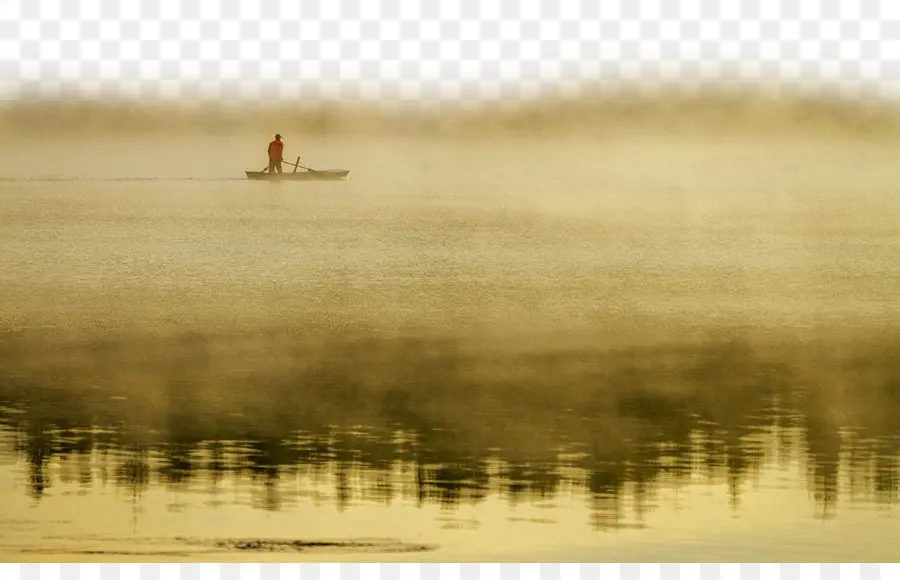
(439, 50)
(513, 571)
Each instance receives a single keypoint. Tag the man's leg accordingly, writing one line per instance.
(278, 166)
(271, 167)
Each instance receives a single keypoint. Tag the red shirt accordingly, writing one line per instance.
(276, 149)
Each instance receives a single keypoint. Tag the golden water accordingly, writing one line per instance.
(570, 348)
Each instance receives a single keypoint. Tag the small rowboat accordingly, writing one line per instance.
(308, 175)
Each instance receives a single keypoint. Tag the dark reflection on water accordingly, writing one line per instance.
(435, 420)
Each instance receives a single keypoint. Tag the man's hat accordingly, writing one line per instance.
(278, 136)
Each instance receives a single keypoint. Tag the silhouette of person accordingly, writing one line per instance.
(276, 153)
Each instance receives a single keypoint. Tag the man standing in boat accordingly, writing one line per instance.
(276, 153)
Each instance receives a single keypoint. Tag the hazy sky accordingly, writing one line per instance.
(495, 48)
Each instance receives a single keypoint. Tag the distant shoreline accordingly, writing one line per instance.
(712, 112)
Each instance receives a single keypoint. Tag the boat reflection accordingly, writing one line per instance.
(353, 419)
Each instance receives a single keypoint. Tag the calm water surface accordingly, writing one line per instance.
(481, 351)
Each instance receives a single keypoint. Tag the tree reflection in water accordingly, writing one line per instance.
(355, 419)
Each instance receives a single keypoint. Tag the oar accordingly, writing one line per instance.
(298, 165)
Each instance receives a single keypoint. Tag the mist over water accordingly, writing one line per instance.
(601, 331)
(704, 111)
